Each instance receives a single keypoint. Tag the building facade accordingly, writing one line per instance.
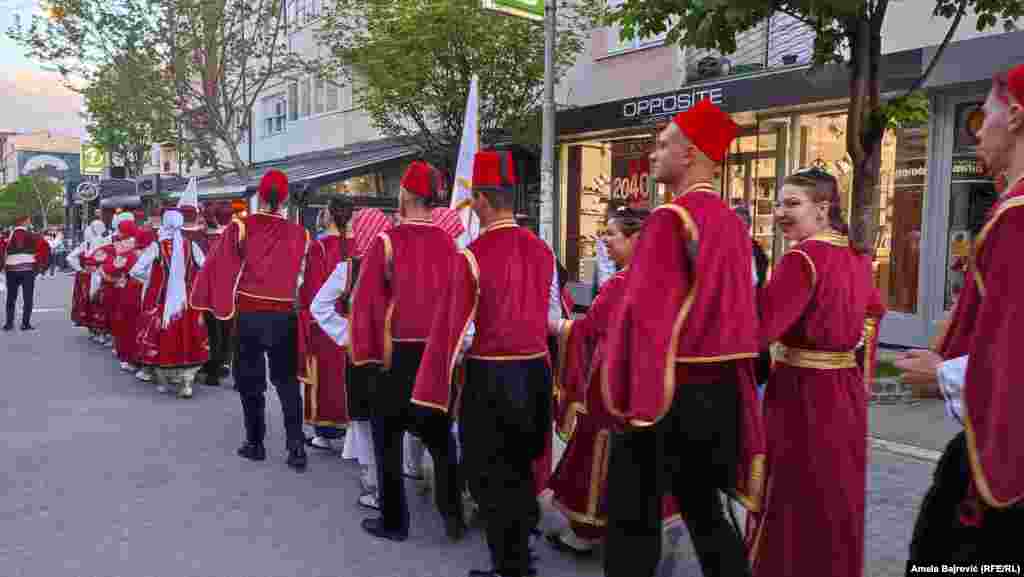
(931, 198)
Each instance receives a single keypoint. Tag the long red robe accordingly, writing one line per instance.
(580, 481)
(322, 363)
(127, 297)
(688, 299)
(103, 304)
(822, 299)
(992, 393)
(184, 341)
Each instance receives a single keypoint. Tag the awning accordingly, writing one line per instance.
(307, 172)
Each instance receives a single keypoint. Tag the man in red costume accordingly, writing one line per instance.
(216, 216)
(255, 272)
(501, 296)
(679, 375)
(973, 366)
(23, 255)
(393, 306)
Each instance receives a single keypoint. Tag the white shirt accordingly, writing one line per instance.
(952, 375)
(322, 307)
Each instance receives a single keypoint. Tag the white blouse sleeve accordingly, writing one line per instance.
(952, 375)
(323, 310)
(198, 256)
(144, 265)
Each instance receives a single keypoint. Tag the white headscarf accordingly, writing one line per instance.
(170, 229)
(94, 239)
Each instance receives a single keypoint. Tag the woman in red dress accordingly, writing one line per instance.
(580, 481)
(128, 295)
(322, 363)
(174, 341)
(819, 307)
(79, 261)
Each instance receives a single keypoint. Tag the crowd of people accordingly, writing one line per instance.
(380, 332)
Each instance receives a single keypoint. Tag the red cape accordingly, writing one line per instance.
(992, 392)
(217, 282)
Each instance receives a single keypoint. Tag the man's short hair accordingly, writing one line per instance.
(503, 198)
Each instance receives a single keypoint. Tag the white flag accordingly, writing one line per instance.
(462, 189)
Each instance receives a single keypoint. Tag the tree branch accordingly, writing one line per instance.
(961, 9)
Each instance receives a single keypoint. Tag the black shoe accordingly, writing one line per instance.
(8, 328)
(375, 527)
(531, 572)
(212, 381)
(253, 452)
(454, 527)
(297, 458)
(27, 328)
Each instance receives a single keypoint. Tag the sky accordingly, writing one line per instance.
(32, 98)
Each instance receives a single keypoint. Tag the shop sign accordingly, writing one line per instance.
(93, 159)
(667, 104)
(631, 171)
(529, 9)
(968, 167)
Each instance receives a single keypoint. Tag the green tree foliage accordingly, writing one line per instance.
(410, 63)
(36, 195)
(848, 33)
(204, 62)
(129, 109)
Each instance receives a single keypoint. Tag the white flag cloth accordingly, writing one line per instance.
(174, 303)
(462, 189)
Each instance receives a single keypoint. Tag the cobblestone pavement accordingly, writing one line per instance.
(104, 477)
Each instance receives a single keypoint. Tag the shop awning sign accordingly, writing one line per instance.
(529, 9)
(93, 159)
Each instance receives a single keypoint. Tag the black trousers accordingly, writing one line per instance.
(692, 454)
(392, 414)
(26, 281)
(217, 330)
(504, 420)
(273, 335)
(939, 536)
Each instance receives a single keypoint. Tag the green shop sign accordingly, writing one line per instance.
(530, 9)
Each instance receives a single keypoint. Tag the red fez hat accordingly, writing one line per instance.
(273, 188)
(422, 179)
(708, 128)
(140, 214)
(126, 229)
(493, 169)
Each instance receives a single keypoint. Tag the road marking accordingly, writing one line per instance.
(45, 310)
(906, 450)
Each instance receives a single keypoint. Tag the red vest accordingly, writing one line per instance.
(272, 249)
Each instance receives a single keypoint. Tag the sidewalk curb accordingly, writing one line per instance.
(905, 450)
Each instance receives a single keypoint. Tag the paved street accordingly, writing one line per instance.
(104, 477)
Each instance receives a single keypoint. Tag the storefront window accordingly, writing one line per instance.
(600, 173)
(903, 178)
(750, 178)
(971, 196)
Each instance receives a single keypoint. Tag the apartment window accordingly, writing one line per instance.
(305, 92)
(318, 97)
(331, 96)
(617, 44)
(274, 113)
(293, 98)
(302, 12)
